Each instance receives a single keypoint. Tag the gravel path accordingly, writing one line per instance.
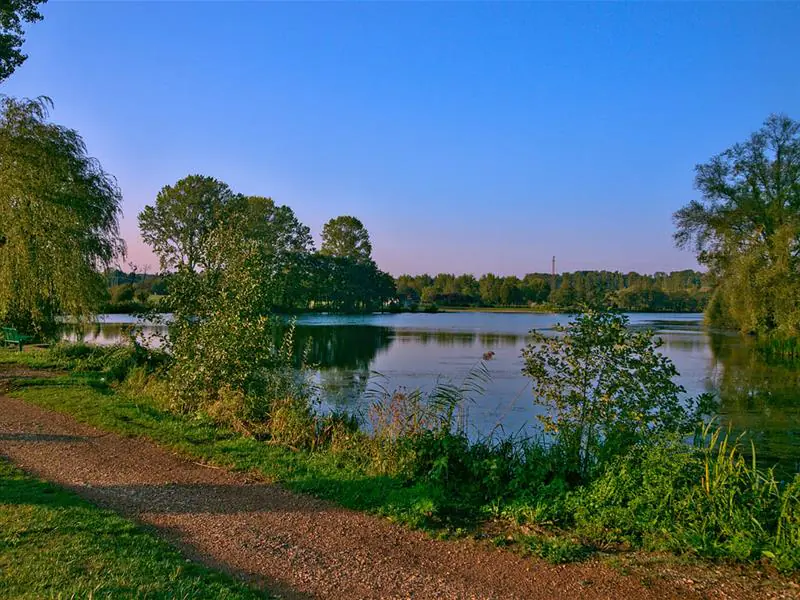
(296, 546)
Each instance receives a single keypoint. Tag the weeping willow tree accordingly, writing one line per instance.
(58, 220)
(746, 229)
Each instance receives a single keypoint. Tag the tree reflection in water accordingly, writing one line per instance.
(758, 397)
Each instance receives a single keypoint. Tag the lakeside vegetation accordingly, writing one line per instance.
(624, 489)
(53, 544)
(678, 291)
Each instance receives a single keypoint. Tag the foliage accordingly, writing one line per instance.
(60, 220)
(679, 291)
(53, 544)
(346, 237)
(186, 218)
(13, 13)
(178, 225)
(273, 225)
(705, 498)
(222, 331)
(606, 387)
(285, 239)
(115, 363)
(746, 229)
(342, 284)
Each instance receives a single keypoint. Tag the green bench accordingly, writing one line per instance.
(13, 337)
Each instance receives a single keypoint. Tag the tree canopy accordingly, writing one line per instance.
(346, 237)
(273, 224)
(177, 226)
(746, 228)
(13, 14)
(60, 219)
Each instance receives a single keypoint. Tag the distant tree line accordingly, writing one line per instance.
(679, 291)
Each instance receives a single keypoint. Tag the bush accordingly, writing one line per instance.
(606, 388)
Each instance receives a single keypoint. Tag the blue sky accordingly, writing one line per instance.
(467, 137)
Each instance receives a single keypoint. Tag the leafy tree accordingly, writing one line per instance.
(535, 288)
(678, 291)
(606, 387)
(468, 286)
(345, 285)
(346, 237)
(407, 288)
(60, 220)
(510, 291)
(746, 229)
(565, 295)
(286, 239)
(223, 324)
(13, 13)
(489, 286)
(273, 225)
(184, 215)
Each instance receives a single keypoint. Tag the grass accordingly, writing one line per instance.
(55, 545)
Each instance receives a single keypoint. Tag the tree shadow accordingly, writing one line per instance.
(200, 498)
(40, 437)
(251, 577)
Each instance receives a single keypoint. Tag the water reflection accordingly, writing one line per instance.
(460, 338)
(758, 397)
(351, 347)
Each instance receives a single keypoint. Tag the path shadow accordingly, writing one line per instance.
(273, 587)
(40, 437)
(201, 498)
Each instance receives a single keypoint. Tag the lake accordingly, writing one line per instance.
(357, 355)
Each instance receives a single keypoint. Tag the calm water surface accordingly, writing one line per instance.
(358, 354)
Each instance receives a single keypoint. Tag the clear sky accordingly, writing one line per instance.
(466, 137)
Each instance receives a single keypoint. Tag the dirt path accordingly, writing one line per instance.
(294, 545)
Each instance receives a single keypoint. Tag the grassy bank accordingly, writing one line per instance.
(703, 500)
(55, 545)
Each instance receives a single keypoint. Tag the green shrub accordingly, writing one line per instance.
(707, 499)
(606, 387)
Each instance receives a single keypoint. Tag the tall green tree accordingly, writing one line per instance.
(59, 222)
(178, 225)
(746, 229)
(13, 15)
(346, 237)
(273, 224)
(284, 238)
(345, 285)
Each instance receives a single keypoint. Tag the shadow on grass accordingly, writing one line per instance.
(16, 490)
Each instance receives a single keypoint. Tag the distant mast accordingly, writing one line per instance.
(553, 275)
